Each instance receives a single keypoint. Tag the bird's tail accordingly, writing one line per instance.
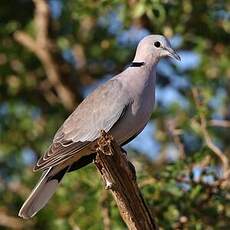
(42, 192)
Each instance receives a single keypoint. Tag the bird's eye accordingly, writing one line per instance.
(157, 44)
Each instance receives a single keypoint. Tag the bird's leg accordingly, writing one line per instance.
(124, 151)
(131, 166)
(133, 171)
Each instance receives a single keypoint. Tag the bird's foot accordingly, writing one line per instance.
(124, 151)
(133, 171)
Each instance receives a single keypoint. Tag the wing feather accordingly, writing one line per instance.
(100, 110)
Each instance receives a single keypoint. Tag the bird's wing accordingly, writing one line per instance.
(99, 111)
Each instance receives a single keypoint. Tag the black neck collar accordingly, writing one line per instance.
(137, 64)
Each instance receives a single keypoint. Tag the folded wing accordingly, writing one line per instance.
(99, 111)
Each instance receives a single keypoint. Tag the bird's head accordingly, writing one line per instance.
(154, 47)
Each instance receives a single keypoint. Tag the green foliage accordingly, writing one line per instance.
(180, 200)
(185, 192)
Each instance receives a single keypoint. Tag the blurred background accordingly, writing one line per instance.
(53, 53)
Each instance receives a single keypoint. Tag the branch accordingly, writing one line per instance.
(41, 47)
(220, 123)
(42, 16)
(203, 125)
(175, 134)
(119, 176)
(10, 221)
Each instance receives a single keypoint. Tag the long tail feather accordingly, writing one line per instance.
(41, 194)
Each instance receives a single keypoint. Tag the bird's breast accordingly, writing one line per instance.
(137, 114)
(142, 107)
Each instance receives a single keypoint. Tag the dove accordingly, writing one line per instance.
(122, 107)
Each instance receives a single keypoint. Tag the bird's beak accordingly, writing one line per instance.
(172, 53)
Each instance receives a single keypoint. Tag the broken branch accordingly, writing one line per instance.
(119, 177)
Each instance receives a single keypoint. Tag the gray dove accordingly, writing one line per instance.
(122, 106)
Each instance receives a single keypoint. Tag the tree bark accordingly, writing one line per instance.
(120, 178)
